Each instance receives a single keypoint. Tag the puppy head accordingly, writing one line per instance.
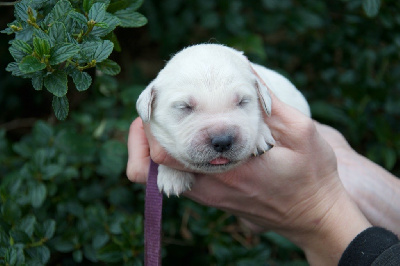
(204, 107)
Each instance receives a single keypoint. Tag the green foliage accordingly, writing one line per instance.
(61, 194)
(371, 7)
(57, 39)
(64, 196)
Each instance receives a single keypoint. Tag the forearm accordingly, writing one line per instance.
(378, 196)
(375, 190)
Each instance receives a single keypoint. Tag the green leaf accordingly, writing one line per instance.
(21, 11)
(90, 253)
(27, 224)
(100, 239)
(112, 156)
(63, 245)
(57, 33)
(10, 211)
(91, 193)
(110, 254)
(122, 4)
(111, 21)
(109, 67)
(329, 112)
(11, 256)
(22, 149)
(37, 82)
(45, 230)
(16, 54)
(383, 155)
(13, 67)
(109, 84)
(78, 17)
(98, 51)
(62, 52)
(77, 255)
(87, 4)
(7, 31)
(135, 4)
(25, 34)
(61, 10)
(38, 194)
(52, 170)
(43, 133)
(38, 33)
(82, 80)
(56, 83)
(4, 239)
(97, 12)
(20, 236)
(390, 158)
(130, 18)
(112, 37)
(50, 228)
(22, 46)
(39, 158)
(105, 2)
(371, 7)
(120, 196)
(39, 253)
(30, 64)
(60, 107)
(41, 47)
(14, 256)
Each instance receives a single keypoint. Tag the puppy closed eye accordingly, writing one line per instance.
(244, 101)
(183, 107)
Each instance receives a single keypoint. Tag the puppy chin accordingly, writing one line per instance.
(211, 168)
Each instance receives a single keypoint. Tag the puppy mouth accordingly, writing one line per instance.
(216, 165)
(220, 161)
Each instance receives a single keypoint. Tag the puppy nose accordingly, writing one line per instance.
(222, 143)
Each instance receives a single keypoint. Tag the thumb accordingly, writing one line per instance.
(285, 121)
(281, 113)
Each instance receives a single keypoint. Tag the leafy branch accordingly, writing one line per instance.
(55, 40)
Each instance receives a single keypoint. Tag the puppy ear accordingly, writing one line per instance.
(263, 93)
(144, 102)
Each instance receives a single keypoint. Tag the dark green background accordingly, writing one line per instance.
(345, 62)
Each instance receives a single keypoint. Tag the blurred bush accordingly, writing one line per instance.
(64, 196)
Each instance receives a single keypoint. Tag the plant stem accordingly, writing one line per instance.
(89, 65)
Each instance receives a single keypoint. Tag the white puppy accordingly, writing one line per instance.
(205, 108)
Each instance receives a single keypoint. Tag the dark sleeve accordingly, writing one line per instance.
(373, 246)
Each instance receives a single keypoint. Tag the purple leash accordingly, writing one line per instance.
(152, 219)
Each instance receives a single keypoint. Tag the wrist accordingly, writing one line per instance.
(325, 244)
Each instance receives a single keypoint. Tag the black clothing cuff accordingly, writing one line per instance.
(368, 246)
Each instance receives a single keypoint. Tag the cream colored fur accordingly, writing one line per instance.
(206, 91)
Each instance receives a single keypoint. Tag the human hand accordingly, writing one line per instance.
(293, 189)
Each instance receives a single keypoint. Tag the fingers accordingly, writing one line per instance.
(285, 122)
(141, 147)
(284, 114)
(138, 153)
(289, 127)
